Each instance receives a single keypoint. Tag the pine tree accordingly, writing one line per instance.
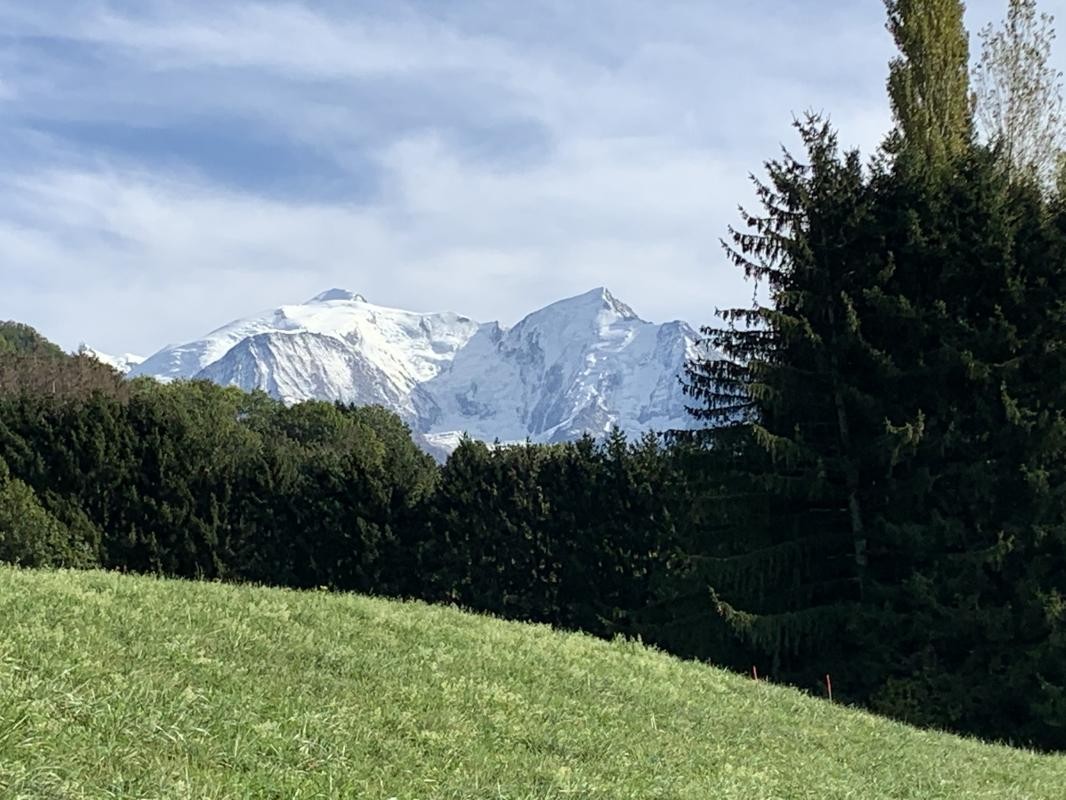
(966, 546)
(795, 426)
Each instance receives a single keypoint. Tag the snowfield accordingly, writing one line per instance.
(581, 365)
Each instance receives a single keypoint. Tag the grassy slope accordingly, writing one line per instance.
(132, 687)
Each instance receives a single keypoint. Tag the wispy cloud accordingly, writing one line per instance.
(166, 166)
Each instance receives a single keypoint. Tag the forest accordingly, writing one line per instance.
(874, 491)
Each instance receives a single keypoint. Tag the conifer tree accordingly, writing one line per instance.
(795, 426)
(962, 566)
(970, 321)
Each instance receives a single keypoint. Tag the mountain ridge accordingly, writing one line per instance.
(583, 364)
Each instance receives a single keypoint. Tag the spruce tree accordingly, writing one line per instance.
(970, 321)
(795, 428)
(968, 549)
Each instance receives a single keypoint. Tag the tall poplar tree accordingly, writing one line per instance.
(928, 82)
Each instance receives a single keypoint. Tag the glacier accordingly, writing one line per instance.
(581, 365)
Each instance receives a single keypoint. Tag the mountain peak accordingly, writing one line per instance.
(580, 365)
(599, 299)
(337, 294)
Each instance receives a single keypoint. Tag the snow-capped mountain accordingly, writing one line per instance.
(123, 363)
(585, 364)
(336, 346)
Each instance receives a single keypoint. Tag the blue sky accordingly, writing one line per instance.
(167, 166)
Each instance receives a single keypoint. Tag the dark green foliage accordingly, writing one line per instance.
(972, 546)
(334, 491)
(797, 429)
(888, 466)
(195, 480)
(567, 534)
(29, 535)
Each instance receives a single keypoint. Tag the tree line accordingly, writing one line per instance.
(876, 491)
(195, 480)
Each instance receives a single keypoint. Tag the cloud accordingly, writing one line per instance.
(294, 40)
(165, 166)
(447, 232)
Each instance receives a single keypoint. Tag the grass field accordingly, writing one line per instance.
(125, 687)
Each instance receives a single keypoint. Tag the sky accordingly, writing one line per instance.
(167, 166)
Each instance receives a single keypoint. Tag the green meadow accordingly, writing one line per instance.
(129, 687)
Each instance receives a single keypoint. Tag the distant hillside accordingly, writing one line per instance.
(31, 363)
(136, 687)
(19, 339)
